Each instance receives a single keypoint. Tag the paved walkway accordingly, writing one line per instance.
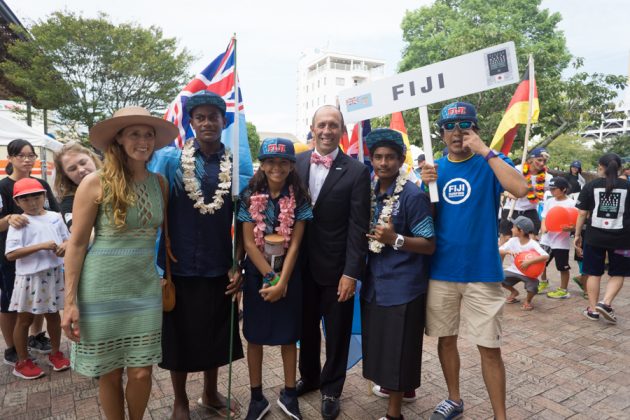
(559, 365)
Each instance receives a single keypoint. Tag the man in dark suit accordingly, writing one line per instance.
(335, 249)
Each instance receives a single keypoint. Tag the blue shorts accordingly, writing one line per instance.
(594, 263)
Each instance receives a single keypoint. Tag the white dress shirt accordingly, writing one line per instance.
(317, 176)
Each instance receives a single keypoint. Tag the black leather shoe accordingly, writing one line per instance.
(302, 387)
(330, 407)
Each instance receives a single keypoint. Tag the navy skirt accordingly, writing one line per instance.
(275, 323)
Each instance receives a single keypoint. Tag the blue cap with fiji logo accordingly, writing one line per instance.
(458, 111)
(277, 148)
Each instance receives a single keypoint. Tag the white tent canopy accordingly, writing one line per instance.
(11, 129)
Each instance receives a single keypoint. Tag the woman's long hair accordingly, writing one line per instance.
(117, 183)
(611, 162)
(13, 149)
(64, 185)
(258, 183)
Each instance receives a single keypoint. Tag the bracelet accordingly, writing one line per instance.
(269, 277)
(275, 280)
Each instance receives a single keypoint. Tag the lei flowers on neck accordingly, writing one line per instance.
(535, 192)
(286, 218)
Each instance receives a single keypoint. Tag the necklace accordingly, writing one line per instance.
(537, 192)
(386, 212)
(286, 217)
(192, 186)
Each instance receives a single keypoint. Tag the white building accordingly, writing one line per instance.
(322, 74)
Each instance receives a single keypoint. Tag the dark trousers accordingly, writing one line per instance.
(321, 301)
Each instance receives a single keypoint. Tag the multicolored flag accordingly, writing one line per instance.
(397, 123)
(353, 144)
(515, 114)
(218, 77)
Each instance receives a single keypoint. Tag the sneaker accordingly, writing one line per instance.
(559, 293)
(39, 343)
(607, 312)
(289, 405)
(447, 410)
(257, 409)
(10, 356)
(542, 286)
(593, 316)
(26, 369)
(379, 391)
(58, 361)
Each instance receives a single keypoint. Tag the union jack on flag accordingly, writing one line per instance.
(218, 77)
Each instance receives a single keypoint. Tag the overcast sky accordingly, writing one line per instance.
(272, 33)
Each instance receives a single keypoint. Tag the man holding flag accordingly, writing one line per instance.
(196, 334)
(202, 176)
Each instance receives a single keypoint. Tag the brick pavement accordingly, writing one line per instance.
(559, 365)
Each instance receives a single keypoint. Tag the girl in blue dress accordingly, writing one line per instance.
(274, 209)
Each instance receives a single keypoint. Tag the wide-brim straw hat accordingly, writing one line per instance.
(103, 133)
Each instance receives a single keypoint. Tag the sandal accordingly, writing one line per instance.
(527, 307)
(219, 410)
(512, 300)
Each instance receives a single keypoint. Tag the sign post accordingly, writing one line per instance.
(474, 72)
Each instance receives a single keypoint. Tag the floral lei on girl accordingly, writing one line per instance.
(257, 207)
(192, 186)
(537, 192)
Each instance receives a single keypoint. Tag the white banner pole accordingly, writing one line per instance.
(428, 150)
(360, 132)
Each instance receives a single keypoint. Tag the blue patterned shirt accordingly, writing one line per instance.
(398, 277)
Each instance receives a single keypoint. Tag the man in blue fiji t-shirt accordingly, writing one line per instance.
(466, 271)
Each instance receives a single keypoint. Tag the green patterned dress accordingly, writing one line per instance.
(119, 294)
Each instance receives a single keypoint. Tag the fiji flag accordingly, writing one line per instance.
(219, 77)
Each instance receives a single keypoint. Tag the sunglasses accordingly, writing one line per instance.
(462, 125)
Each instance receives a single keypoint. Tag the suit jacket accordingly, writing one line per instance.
(335, 241)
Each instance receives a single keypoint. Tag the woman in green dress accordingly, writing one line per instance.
(113, 311)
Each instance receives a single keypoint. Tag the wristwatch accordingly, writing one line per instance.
(490, 155)
(400, 241)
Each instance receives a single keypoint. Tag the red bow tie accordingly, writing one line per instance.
(321, 160)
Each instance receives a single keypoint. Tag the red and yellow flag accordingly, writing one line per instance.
(515, 114)
(398, 123)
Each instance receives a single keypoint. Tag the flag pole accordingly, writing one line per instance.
(530, 111)
(235, 192)
(360, 142)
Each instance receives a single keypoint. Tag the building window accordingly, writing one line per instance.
(340, 81)
(306, 88)
(318, 84)
(324, 80)
(324, 98)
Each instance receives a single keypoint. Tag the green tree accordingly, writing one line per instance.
(568, 148)
(618, 144)
(254, 140)
(450, 28)
(88, 68)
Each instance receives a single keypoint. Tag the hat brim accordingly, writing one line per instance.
(30, 191)
(276, 155)
(103, 133)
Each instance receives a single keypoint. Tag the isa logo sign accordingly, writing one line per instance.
(359, 102)
(456, 191)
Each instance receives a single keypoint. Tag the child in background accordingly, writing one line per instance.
(522, 227)
(38, 249)
(274, 205)
(558, 243)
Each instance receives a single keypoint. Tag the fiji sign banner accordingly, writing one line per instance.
(470, 73)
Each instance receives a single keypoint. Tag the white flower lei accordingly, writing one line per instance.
(191, 183)
(386, 212)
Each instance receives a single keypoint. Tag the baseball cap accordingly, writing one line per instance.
(576, 164)
(277, 147)
(524, 224)
(539, 152)
(421, 158)
(559, 182)
(27, 186)
(458, 111)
